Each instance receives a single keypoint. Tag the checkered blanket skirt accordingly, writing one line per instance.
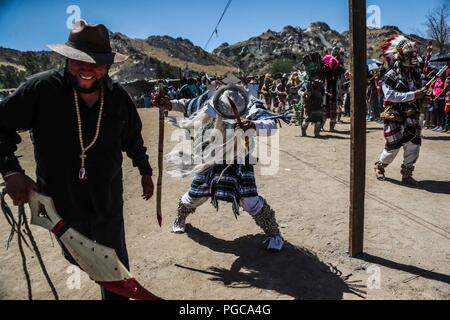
(225, 183)
(393, 135)
(330, 111)
(397, 134)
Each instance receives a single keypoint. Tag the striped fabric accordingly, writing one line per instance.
(196, 104)
(225, 183)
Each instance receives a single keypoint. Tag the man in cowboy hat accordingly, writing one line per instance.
(80, 123)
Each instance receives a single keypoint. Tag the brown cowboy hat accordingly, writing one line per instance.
(88, 43)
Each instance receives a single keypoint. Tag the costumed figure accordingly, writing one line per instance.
(280, 91)
(311, 94)
(312, 100)
(267, 90)
(332, 72)
(220, 112)
(293, 86)
(401, 86)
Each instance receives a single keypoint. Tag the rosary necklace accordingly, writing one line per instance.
(84, 150)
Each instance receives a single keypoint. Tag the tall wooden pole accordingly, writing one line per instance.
(358, 50)
(162, 92)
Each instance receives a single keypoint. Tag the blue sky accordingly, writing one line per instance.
(31, 24)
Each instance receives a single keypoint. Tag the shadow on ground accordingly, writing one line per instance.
(401, 184)
(438, 187)
(442, 187)
(295, 272)
(346, 132)
(439, 138)
(375, 129)
(323, 137)
(416, 271)
(329, 136)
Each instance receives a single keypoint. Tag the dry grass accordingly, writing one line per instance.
(163, 56)
(17, 66)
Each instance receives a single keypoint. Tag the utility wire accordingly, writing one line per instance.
(218, 23)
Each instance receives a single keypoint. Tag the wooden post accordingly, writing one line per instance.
(162, 93)
(358, 54)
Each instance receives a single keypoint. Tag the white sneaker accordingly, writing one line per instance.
(179, 226)
(274, 244)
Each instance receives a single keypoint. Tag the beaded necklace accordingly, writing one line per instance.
(84, 150)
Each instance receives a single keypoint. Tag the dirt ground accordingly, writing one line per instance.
(407, 232)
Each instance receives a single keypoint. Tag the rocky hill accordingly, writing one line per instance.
(185, 50)
(164, 56)
(30, 61)
(292, 43)
(256, 55)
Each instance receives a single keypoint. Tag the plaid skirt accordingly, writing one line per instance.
(397, 134)
(225, 183)
(330, 111)
(393, 135)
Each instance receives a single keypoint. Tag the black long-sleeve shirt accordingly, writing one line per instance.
(45, 105)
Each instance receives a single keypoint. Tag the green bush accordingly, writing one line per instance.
(282, 66)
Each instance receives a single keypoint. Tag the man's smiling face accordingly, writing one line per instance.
(87, 74)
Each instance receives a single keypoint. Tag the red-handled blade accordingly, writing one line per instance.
(129, 288)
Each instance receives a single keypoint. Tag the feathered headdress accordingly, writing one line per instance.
(313, 63)
(396, 47)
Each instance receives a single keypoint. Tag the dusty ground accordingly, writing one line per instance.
(407, 232)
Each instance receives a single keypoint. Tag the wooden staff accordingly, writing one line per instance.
(426, 64)
(436, 77)
(161, 93)
(235, 111)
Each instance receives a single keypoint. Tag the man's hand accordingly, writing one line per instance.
(19, 187)
(148, 187)
(419, 94)
(246, 125)
(161, 102)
